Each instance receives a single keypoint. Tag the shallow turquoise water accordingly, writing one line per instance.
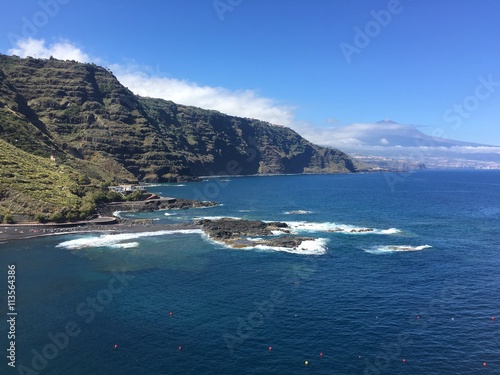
(365, 307)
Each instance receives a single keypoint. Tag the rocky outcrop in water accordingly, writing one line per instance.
(236, 233)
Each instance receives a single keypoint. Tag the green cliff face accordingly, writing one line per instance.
(81, 115)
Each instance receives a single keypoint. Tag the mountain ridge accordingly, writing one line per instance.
(389, 144)
(87, 112)
(81, 116)
(396, 134)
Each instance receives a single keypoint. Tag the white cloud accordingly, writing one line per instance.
(476, 150)
(62, 50)
(381, 137)
(243, 103)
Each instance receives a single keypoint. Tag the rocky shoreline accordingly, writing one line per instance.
(150, 205)
(235, 233)
(106, 221)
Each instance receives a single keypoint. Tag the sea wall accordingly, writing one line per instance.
(153, 205)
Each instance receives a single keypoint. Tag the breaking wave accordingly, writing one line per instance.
(126, 245)
(298, 212)
(304, 226)
(387, 249)
(216, 217)
(121, 240)
(317, 246)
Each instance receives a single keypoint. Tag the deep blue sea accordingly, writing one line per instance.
(417, 295)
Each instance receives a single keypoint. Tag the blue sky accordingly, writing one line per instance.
(431, 63)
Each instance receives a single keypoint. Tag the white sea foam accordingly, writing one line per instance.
(298, 212)
(206, 207)
(304, 226)
(216, 217)
(169, 213)
(388, 249)
(390, 231)
(317, 246)
(126, 245)
(118, 240)
(310, 247)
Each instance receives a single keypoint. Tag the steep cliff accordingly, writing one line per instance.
(83, 110)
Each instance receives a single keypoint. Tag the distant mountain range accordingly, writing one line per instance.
(389, 144)
(388, 133)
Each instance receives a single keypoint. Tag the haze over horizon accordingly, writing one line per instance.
(320, 67)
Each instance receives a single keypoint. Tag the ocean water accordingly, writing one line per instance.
(418, 294)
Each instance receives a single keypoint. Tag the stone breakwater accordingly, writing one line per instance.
(247, 233)
(153, 205)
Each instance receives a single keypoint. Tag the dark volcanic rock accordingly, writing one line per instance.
(227, 228)
(291, 242)
(234, 232)
(153, 205)
(184, 204)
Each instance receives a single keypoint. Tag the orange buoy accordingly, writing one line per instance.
(321, 354)
(270, 348)
(492, 318)
(484, 364)
(306, 363)
(171, 313)
(404, 360)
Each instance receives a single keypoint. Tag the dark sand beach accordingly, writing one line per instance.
(10, 232)
(107, 222)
